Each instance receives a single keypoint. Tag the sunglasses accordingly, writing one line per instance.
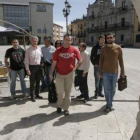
(109, 37)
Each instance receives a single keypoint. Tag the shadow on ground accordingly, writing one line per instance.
(79, 117)
(7, 102)
(28, 122)
(37, 119)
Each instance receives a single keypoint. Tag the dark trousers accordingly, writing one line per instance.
(83, 83)
(98, 81)
(35, 80)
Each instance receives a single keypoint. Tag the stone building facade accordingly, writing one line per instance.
(79, 30)
(106, 16)
(57, 32)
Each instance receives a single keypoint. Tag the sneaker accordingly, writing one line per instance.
(101, 95)
(80, 96)
(12, 97)
(33, 99)
(108, 109)
(59, 110)
(39, 97)
(66, 112)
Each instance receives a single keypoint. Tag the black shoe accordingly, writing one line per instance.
(80, 96)
(95, 96)
(33, 99)
(101, 95)
(66, 112)
(39, 97)
(86, 99)
(108, 109)
(59, 110)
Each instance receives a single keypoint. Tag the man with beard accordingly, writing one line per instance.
(111, 54)
(64, 61)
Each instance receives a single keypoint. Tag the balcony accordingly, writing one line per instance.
(123, 9)
(92, 17)
(110, 27)
(81, 35)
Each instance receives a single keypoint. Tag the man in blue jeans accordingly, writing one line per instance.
(47, 52)
(111, 55)
(94, 57)
(16, 55)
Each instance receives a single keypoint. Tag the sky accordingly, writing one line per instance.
(77, 10)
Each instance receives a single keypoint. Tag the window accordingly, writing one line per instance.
(41, 8)
(138, 38)
(122, 22)
(92, 14)
(18, 15)
(39, 30)
(122, 37)
(123, 5)
(139, 26)
(105, 24)
(44, 30)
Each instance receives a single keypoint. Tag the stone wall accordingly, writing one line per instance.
(136, 135)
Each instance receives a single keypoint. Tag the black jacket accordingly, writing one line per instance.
(95, 54)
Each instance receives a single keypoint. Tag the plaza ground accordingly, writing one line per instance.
(22, 119)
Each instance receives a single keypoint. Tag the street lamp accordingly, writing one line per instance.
(66, 12)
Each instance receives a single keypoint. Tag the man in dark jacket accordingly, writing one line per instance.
(95, 57)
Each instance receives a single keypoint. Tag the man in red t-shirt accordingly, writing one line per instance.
(64, 61)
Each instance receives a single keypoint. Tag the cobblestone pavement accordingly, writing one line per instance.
(22, 119)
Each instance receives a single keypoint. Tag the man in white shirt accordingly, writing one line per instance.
(32, 62)
(82, 72)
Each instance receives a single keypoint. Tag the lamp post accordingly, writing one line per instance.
(66, 12)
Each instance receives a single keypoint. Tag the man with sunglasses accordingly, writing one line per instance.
(111, 54)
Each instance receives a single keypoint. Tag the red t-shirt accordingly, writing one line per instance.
(66, 58)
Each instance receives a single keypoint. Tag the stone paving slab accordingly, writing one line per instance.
(22, 119)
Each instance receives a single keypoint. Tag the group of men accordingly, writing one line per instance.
(104, 57)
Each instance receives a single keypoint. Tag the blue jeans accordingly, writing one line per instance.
(98, 81)
(46, 80)
(13, 75)
(110, 80)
